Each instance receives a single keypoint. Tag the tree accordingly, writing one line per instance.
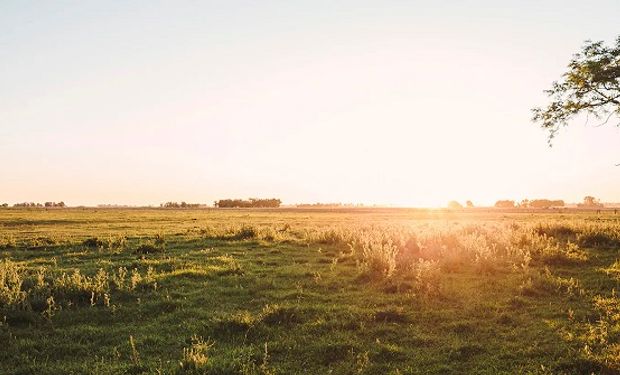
(591, 85)
(546, 203)
(590, 201)
(505, 204)
(454, 205)
(469, 204)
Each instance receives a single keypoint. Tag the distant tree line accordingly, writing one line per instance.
(250, 203)
(588, 201)
(454, 205)
(28, 204)
(506, 203)
(180, 205)
(54, 204)
(541, 203)
(526, 203)
(39, 205)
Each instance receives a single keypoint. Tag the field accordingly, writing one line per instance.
(359, 291)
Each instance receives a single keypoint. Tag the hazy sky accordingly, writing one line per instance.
(389, 102)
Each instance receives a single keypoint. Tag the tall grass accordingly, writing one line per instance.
(384, 252)
(43, 288)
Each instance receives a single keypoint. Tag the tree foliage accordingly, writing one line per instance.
(591, 86)
(54, 204)
(590, 201)
(454, 205)
(546, 203)
(505, 204)
(251, 203)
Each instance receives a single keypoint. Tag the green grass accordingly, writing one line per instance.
(308, 291)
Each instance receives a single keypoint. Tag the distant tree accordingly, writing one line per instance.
(505, 204)
(4, 205)
(28, 204)
(469, 204)
(454, 205)
(545, 203)
(590, 201)
(524, 203)
(591, 85)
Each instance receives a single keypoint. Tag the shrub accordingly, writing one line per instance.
(427, 276)
(11, 280)
(330, 236)
(483, 251)
(379, 259)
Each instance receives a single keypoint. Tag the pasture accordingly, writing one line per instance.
(358, 291)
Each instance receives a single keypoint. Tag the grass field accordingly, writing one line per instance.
(308, 292)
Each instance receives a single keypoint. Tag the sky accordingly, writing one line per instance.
(410, 103)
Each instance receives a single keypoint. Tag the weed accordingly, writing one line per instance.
(196, 357)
